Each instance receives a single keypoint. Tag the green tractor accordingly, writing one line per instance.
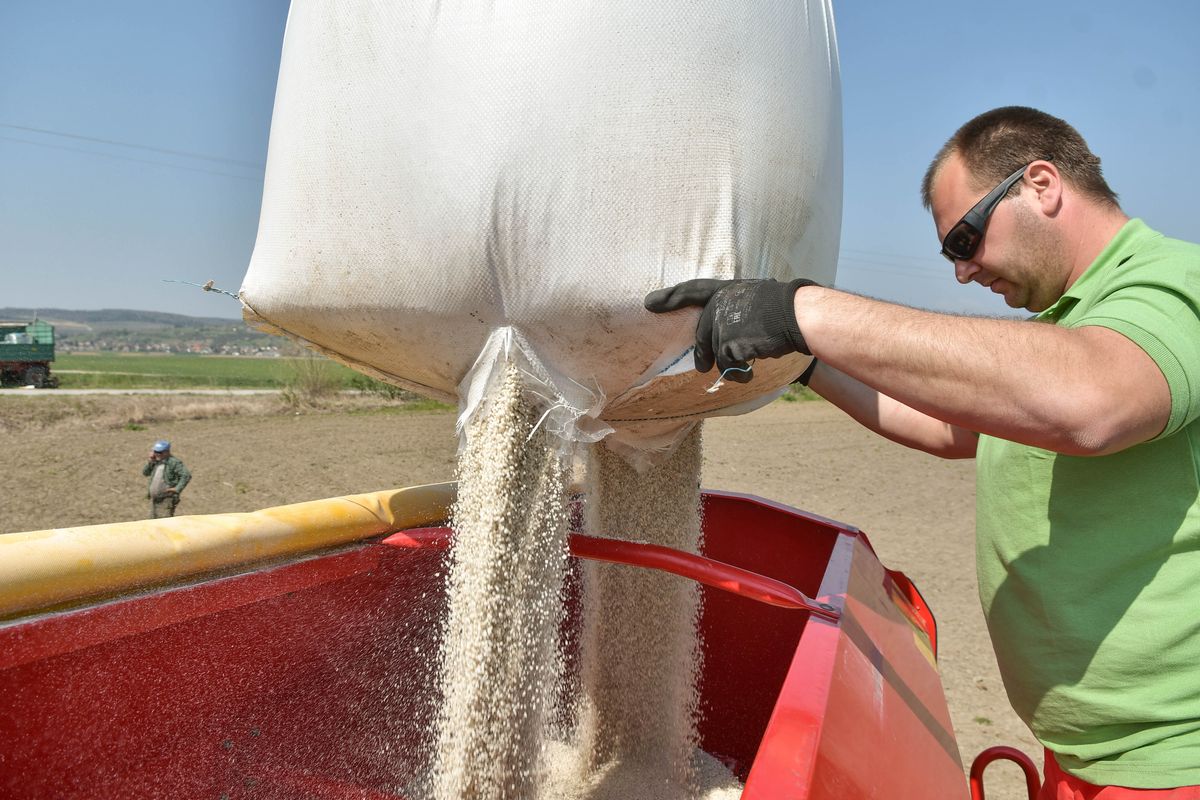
(26, 350)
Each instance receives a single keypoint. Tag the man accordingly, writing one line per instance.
(1083, 423)
(168, 477)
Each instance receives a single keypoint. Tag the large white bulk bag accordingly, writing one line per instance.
(453, 183)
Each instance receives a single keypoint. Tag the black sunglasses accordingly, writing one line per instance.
(963, 239)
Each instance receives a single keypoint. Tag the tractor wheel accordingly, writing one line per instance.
(36, 375)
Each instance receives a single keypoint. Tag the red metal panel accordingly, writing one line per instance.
(749, 648)
(54, 634)
(886, 707)
(307, 668)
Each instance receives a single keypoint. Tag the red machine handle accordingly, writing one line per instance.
(1033, 782)
(716, 574)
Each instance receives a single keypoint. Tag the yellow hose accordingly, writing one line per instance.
(45, 570)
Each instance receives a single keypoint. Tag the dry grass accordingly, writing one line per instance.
(138, 412)
(311, 382)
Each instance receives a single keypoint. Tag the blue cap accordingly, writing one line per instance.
(162, 446)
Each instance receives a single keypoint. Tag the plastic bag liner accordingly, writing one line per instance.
(569, 410)
(644, 443)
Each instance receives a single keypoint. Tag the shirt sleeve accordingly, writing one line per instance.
(183, 475)
(1164, 321)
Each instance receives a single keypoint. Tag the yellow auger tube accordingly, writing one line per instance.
(42, 570)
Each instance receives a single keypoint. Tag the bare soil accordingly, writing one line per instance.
(917, 510)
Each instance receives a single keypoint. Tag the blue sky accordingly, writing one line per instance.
(89, 222)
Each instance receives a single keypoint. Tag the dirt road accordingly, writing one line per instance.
(916, 509)
(50, 394)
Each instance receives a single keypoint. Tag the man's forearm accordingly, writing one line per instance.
(1088, 390)
(889, 417)
(1032, 383)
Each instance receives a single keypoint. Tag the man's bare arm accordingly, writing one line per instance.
(1083, 391)
(891, 418)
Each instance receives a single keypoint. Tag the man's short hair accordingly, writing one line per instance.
(996, 143)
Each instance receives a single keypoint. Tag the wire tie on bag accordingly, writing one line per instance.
(721, 380)
(206, 286)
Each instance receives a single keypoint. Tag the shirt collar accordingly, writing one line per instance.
(1118, 250)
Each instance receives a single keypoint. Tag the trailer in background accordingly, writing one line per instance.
(26, 350)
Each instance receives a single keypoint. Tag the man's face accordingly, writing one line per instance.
(1017, 256)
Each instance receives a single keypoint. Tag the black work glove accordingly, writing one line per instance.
(742, 320)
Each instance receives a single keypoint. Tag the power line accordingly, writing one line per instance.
(889, 254)
(256, 179)
(931, 262)
(907, 269)
(167, 151)
(858, 267)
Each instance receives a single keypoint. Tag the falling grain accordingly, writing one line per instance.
(499, 656)
(639, 641)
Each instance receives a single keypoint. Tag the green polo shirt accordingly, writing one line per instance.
(1089, 567)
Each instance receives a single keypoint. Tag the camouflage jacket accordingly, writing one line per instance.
(175, 474)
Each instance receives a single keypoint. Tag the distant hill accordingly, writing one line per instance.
(130, 329)
(113, 317)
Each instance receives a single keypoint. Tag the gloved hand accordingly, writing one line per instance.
(742, 320)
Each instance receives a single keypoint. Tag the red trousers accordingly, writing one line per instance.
(1058, 785)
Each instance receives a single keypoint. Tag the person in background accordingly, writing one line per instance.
(168, 477)
(1084, 423)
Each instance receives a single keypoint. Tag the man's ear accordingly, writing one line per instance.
(1044, 179)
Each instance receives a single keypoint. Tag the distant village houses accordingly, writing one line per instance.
(190, 348)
